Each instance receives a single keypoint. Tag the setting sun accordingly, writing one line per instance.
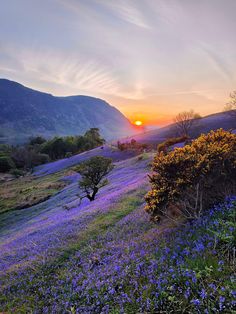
(138, 123)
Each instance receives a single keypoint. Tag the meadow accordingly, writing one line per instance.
(106, 256)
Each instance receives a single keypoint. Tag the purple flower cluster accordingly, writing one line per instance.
(106, 151)
(53, 224)
(137, 267)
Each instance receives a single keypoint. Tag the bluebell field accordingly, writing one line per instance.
(134, 266)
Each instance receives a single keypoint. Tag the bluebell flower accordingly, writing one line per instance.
(196, 302)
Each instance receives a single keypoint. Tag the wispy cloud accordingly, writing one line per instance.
(65, 70)
(128, 11)
(219, 64)
(68, 73)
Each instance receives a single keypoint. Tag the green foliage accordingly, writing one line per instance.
(59, 147)
(27, 157)
(37, 140)
(191, 179)
(40, 151)
(93, 138)
(92, 173)
(6, 164)
(163, 147)
(16, 172)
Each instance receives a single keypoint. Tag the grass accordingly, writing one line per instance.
(57, 266)
(101, 224)
(28, 191)
(184, 270)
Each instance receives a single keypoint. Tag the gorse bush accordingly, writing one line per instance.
(191, 179)
(163, 147)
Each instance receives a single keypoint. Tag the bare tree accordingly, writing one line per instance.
(230, 107)
(185, 121)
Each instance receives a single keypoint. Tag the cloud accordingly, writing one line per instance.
(219, 64)
(66, 70)
(68, 73)
(128, 11)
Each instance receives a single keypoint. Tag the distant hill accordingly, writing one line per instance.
(25, 112)
(204, 125)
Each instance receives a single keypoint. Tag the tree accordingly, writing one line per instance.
(230, 107)
(6, 164)
(93, 138)
(185, 121)
(93, 172)
(37, 140)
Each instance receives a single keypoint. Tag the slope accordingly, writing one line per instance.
(26, 112)
(204, 125)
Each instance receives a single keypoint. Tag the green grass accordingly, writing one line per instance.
(28, 191)
(102, 222)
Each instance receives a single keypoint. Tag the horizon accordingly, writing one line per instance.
(179, 56)
(136, 123)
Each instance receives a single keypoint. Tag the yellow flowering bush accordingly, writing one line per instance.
(191, 179)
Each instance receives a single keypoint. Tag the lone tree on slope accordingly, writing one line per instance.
(93, 172)
(185, 121)
(231, 105)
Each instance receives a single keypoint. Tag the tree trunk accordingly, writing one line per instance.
(92, 197)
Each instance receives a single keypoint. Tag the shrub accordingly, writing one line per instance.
(132, 145)
(68, 154)
(6, 164)
(37, 140)
(191, 179)
(16, 172)
(163, 147)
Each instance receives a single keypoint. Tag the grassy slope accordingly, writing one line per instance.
(122, 262)
(28, 191)
(107, 257)
(49, 226)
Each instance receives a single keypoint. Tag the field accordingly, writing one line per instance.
(106, 256)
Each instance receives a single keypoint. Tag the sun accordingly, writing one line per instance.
(138, 122)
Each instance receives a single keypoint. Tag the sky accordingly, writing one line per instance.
(149, 58)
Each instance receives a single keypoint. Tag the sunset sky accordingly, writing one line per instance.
(149, 58)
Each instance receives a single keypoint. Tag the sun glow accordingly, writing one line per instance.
(138, 122)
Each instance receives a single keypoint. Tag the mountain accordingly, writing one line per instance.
(26, 112)
(203, 125)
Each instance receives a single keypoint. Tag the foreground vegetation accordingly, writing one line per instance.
(126, 265)
(189, 180)
(107, 256)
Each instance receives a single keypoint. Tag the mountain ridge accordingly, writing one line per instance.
(27, 112)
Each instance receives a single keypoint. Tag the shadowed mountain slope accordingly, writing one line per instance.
(26, 112)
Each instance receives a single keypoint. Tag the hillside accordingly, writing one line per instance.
(26, 112)
(107, 256)
(203, 125)
(59, 254)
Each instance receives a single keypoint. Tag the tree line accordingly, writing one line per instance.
(38, 150)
